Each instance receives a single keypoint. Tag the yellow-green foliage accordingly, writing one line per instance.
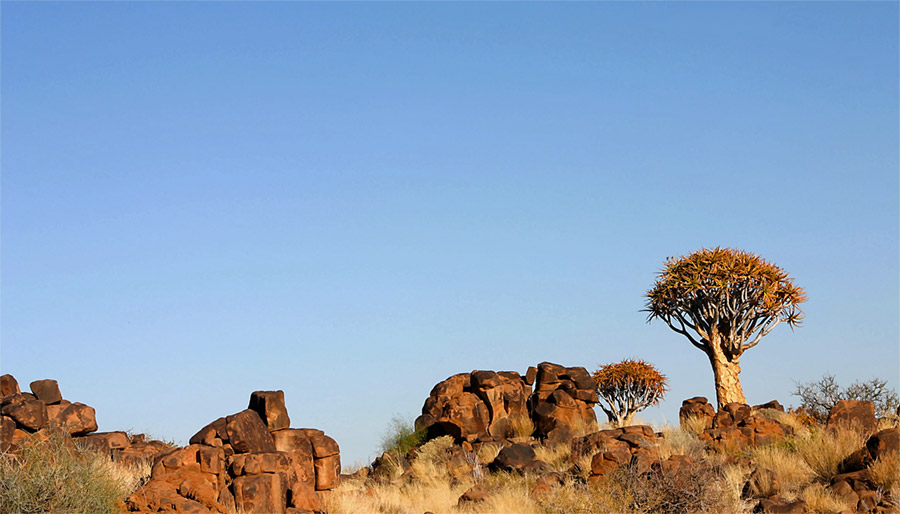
(54, 476)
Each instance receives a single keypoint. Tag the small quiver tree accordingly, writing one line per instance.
(724, 301)
(628, 387)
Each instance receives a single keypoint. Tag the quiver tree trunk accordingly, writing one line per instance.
(726, 371)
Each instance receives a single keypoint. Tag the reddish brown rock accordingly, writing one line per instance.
(7, 429)
(761, 484)
(476, 494)
(271, 409)
(516, 457)
(46, 391)
(774, 405)
(28, 413)
(608, 461)
(853, 414)
(778, 505)
(842, 490)
(884, 442)
(76, 419)
(184, 492)
(323, 446)
(328, 472)
(530, 375)
(247, 433)
(104, 441)
(212, 434)
(8, 385)
(697, 407)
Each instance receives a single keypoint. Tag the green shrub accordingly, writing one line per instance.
(400, 437)
(54, 476)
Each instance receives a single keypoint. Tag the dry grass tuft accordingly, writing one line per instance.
(885, 473)
(521, 426)
(824, 449)
(694, 425)
(556, 456)
(818, 498)
(678, 441)
(791, 472)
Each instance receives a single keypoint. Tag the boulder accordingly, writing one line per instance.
(476, 494)
(762, 483)
(323, 446)
(247, 433)
(46, 391)
(8, 385)
(697, 407)
(778, 505)
(76, 419)
(774, 405)
(260, 493)
(104, 441)
(28, 413)
(884, 442)
(271, 409)
(514, 458)
(853, 414)
(213, 434)
(843, 492)
(7, 430)
(328, 472)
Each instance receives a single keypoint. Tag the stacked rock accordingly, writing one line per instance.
(562, 404)
(43, 410)
(38, 412)
(251, 461)
(550, 400)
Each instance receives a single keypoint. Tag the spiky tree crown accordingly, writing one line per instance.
(731, 293)
(632, 377)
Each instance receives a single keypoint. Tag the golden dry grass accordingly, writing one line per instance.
(885, 473)
(791, 471)
(678, 441)
(818, 498)
(824, 449)
(556, 456)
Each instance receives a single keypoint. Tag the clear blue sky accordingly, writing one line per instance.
(353, 201)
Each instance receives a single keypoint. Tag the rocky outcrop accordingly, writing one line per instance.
(251, 461)
(611, 449)
(562, 404)
(44, 409)
(39, 411)
(549, 401)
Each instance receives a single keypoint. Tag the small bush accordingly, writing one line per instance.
(817, 398)
(400, 437)
(697, 489)
(53, 476)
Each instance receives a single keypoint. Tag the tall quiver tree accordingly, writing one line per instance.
(724, 301)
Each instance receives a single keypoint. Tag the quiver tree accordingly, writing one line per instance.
(628, 387)
(724, 301)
